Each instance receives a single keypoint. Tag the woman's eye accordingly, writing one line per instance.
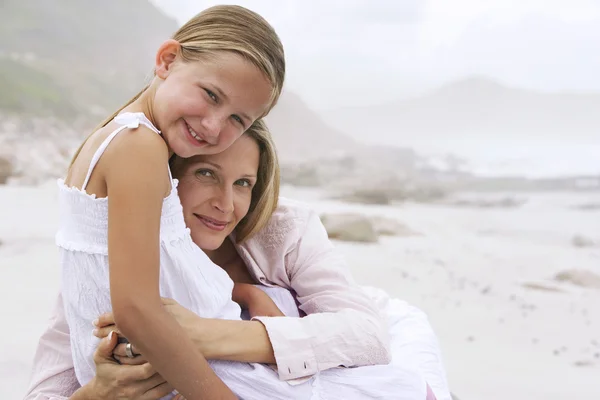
(205, 173)
(244, 183)
(212, 95)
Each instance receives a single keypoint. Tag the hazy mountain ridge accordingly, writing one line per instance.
(76, 56)
(478, 107)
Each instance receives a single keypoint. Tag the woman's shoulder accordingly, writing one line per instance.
(285, 227)
(292, 213)
(290, 209)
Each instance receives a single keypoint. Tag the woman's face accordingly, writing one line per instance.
(216, 190)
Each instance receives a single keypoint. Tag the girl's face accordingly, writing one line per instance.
(202, 107)
(216, 191)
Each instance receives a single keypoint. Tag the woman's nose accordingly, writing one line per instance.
(224, 201)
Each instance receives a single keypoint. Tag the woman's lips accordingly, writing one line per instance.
(211, 223)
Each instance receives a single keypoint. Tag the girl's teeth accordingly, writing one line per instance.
(194, 134)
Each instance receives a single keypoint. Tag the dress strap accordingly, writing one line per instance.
(127, 120)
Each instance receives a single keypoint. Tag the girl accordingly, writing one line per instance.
(122, 239)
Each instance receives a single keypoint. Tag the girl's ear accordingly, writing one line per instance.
(165, 57)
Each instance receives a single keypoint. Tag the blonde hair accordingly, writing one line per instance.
(233, 29)
(265, 193)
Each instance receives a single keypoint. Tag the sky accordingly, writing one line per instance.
(362, 52)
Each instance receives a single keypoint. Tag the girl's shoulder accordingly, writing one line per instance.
(134, 142)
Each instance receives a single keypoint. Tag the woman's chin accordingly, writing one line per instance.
(208, 244)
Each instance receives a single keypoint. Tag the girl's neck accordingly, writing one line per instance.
(144, 105)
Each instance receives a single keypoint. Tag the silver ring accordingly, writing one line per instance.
(129, 351)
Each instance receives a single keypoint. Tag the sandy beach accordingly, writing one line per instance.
(485, 277)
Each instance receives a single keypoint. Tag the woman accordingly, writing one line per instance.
(230, 206)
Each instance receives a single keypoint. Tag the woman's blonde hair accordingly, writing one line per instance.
(233, 29)
(265, 193)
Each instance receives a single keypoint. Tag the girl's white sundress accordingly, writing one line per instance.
(188, 276)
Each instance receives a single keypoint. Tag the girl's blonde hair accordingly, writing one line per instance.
(265, 193)
(228, 28)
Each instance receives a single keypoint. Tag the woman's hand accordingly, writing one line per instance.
(124, 382)
(257, 302)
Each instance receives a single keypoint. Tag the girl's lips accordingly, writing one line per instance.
(213, 224)
(191, 138)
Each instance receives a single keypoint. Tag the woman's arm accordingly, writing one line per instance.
(54, 378)
(136, 191)
(216, 339)
(343, 326)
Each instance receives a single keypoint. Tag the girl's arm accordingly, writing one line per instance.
(135, 172)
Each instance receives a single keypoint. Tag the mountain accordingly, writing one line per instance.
(300, 133)
(476, 109)
(66, 57)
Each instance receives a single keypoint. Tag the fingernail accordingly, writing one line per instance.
(95, 322)
(95, 332)
(110, 335)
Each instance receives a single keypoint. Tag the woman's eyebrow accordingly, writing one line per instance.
(214, 165)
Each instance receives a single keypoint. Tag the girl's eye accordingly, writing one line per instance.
(212, 95)
(204, 173)
(238, 119)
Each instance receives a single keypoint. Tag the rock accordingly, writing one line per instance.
(541, 287)
(426, 193)
(390, 191)
(582, 241)
(391, 227)
(6, 170)
(367, 197)
(579, 277)
(507, 202)
(587, 207)
(40, 148)
(349, 228)
(300, 175)
(583, 363)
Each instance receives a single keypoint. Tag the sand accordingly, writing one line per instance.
(484, 277)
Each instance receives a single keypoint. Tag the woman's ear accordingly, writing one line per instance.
(165, 57)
